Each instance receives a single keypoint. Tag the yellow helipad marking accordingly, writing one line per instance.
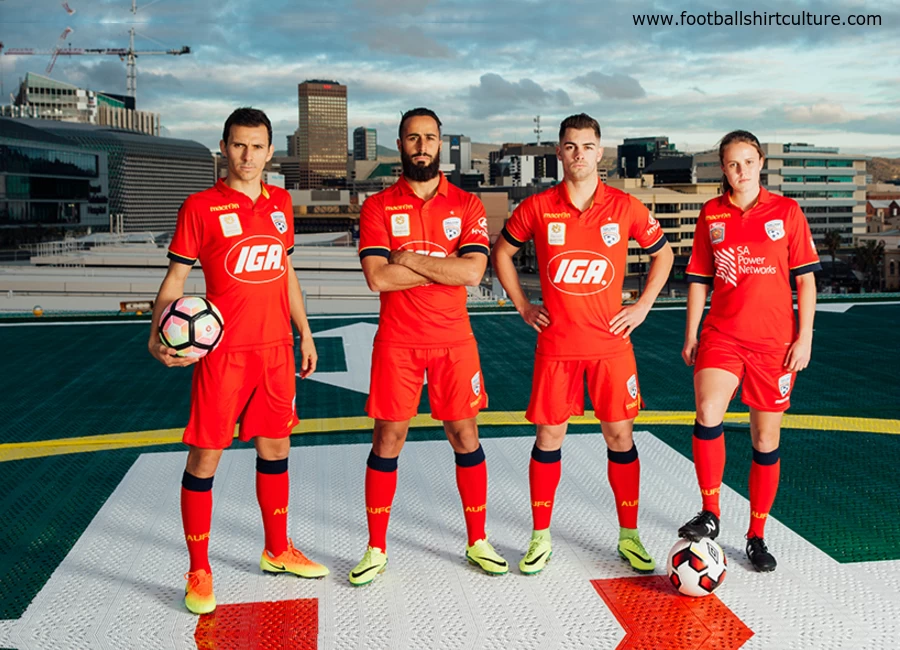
(60, 446)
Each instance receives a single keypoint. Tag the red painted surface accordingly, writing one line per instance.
(287, 624)
(655, 617)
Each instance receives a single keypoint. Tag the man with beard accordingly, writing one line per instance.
(422, 241)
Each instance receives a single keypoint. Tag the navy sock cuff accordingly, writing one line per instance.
(766, 457)
(622, 457)
(264, 466)
(380, 464)
(196, 484)
(542, 456)
(708, 433)
(471, 459)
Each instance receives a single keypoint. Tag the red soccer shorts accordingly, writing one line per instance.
(557, 389)
(766, 384)
(258, 387)
(455, 385)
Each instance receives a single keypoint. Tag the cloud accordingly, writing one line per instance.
(612, 86)
(495, 95)
(820, 113)
(405, 41)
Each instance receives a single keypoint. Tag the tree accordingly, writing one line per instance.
(832, 242)
(869, 258)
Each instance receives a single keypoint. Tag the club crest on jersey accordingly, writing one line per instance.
(632, 386)
(784, 384)
(452, 227)
(400, 225)
(610, 233)
(556, 233)
(280, 222)
(716, 233)
(231, 224)
(775, 229)
(476, 383)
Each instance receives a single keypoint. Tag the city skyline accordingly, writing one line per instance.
(487, 70)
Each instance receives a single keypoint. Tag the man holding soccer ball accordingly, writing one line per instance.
(242, 232)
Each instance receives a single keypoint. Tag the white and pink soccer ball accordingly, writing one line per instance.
(192, 326)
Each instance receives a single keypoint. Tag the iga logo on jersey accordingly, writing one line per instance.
(775, 229)
(256, 260)
(452, 227)
(610, 233)
(280, 222)
(580, 273)
(716, 233)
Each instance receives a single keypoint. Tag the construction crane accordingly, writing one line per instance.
(129, 54)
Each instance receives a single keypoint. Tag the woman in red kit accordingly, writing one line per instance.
(747, 246)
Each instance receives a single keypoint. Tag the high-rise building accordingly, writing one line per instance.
(365, 143)
(322, 133)
(829, 186)
(43, 98)
(636, 154)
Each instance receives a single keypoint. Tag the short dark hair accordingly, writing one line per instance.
(580, 121)
(246, 116)
(417, 112)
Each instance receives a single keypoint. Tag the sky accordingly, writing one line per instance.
(488, 68)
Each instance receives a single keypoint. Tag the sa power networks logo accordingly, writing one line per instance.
(256, 260)
(580, 273)
(732, 262)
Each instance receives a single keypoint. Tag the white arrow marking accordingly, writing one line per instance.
(358, 340)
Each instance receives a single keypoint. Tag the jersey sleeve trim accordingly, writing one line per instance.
(290, 251)
(657, 245)
(698, 279)
(181, 259)
(474, 248)
(512, 240)
(806, 268)
(380, 251)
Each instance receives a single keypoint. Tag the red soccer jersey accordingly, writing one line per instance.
(244, 250)
(452, 221)
(748, 258)
(581, 259)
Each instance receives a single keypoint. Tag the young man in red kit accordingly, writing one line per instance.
(581, 230)
(422, 241)
(251, 374)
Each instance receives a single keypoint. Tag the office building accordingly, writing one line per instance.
(148, 177)
(829, 186)
(48, 99)
(365, 143)
(635, 155)
(321, 147)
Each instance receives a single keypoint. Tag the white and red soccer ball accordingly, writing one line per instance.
(696, 568)
(192, 326)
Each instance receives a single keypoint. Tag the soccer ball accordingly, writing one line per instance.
(192, 326)
(696, 568)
